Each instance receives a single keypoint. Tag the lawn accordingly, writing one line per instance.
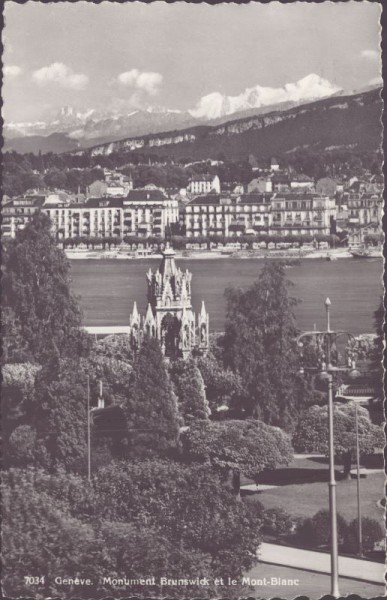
(303, 490)
(312, 585)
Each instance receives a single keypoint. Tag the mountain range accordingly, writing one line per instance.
(72, 129)
(336, 123)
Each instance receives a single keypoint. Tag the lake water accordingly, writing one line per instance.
(108, 288)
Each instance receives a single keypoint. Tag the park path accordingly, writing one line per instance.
(319, 562)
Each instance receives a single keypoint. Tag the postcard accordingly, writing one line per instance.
(192, 300)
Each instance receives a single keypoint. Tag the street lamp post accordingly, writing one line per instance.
(332, 496)
(326, 342)
(359, 527)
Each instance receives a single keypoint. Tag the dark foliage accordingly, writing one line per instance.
(260, 346)
(41, 316)
(151, 406)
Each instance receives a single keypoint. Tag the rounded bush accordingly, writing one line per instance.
(372, 532)
(316, 531)
(276, 521)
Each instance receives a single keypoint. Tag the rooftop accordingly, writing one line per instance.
(255, 198)
(145, 195)
(25, 201)
(104, 202)
(304, 195)
(202, 177)
(205, 200)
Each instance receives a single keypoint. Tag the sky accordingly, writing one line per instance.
(134, 55)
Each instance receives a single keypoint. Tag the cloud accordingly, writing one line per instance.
(311, 87)
(62, 75)
(370, 54)
(145, 81)
(376, 80)
(12, 71)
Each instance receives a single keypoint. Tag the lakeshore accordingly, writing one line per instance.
(293, 253)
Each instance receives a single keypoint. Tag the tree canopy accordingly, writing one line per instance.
(260, 346)
(41, 315)
(241, 447)
(189, 387)
(311, 433)
(145, 517)
(224, 388)
(378, 358)
(151, 406)
(189, 504)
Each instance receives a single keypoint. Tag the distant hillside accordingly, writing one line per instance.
(56, 142)
(351, 122)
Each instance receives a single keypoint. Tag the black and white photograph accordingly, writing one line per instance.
(192, 300)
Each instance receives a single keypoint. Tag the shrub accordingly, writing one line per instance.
(276, 521)
(317, 530)
(22, 446)
(372, 532)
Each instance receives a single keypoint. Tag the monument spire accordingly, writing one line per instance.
(169, 316)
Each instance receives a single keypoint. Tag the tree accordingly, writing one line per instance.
(21, 447)
(138, 518)
(237, 447)
(60, 416)
(37, 545)
(55, 179)
(223, 387)
(17, 392)
(40, 307)
(377, 358)
(151, 407)
(260, 346)
(188, 504)
(190, 390)
(311, 434)
(111, 362)
(141, 551)
(32, 181)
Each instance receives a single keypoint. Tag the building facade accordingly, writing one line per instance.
(204, 184)
(97, 217)
(302, 213)
(226, 216)
(142, 213)
(169, 316)
(287, 214)
(17, 213)
(148, 212)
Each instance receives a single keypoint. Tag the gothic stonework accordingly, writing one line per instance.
(169, 316)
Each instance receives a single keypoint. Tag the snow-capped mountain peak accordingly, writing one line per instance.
(311, 87)
(87, 126)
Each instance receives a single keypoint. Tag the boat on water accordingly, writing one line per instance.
(367, 252)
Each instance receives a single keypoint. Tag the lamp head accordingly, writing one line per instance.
(323, 376)
(301, 371)
(354, 373)
(327, 303)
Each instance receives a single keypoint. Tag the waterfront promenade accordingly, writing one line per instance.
(319, 562)
(289, 582)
